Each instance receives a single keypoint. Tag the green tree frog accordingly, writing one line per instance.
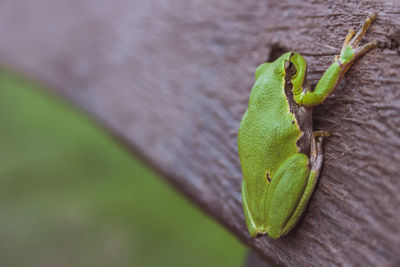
(280, 154)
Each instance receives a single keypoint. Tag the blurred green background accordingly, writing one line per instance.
(72, 196)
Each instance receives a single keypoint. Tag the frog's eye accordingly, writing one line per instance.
(291, 69)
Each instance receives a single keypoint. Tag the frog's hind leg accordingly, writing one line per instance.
(285, 191)
(316, 159)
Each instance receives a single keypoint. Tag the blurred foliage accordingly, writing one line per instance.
(71, 196)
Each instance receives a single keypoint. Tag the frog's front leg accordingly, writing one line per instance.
(333, 75)
(291, 188)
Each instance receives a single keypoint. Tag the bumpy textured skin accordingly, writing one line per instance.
(268, 151)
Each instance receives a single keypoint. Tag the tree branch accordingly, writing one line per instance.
(172, 80)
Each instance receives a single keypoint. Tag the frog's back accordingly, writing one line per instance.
(267, 134)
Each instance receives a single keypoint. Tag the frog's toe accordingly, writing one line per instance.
(359, 51)
(350, 49)
(346, 42)
(372, 16)
(357, 38)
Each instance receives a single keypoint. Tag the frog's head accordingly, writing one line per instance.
(295, 73)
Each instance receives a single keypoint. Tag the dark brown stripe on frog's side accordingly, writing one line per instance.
(302, 114)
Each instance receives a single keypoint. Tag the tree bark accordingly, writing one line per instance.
(171, 79)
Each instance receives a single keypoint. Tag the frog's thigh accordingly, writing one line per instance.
(249, 220)
(316, 164)
(285, 193)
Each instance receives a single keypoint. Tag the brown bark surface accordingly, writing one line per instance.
(172, 78)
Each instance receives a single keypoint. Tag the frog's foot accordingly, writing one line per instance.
(350, 49)
(316, 148)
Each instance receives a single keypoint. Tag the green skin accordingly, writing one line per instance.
(280, 155)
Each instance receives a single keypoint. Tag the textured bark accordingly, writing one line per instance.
(171, 78)
(254, 260)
